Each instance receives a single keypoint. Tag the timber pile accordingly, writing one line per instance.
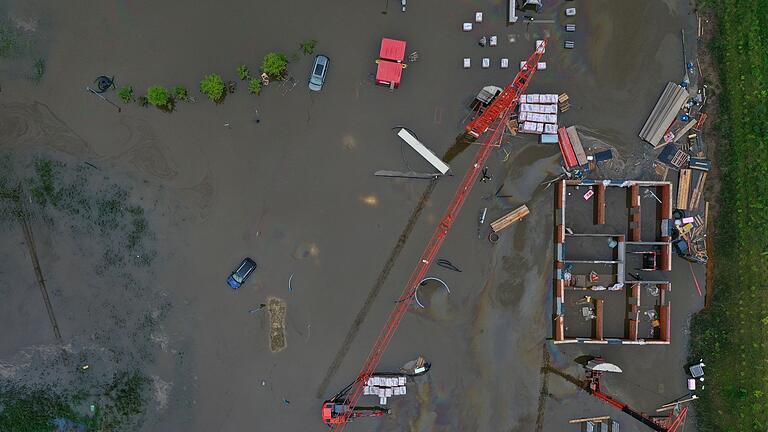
(669, 104)
(510, 218)
(578, 149)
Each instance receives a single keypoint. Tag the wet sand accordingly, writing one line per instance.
(295, 191)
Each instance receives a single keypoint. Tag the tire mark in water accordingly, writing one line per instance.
(460, 145)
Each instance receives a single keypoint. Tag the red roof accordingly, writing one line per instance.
(389, 72)
(566, 148)
(392, 49)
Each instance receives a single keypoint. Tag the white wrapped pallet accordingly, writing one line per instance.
(539, 127)
(550, 128)
(550, 118)
(524, 107)
(401, 380)
(387, 392)
(541, 65)
(540, 43)
(366, 390)
(382, 401)
(396, 391)
(528, 126)
(402, 390)
(534, 98)
(553, 108)
(523, 116)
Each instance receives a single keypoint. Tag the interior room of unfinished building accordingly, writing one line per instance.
(612, 256)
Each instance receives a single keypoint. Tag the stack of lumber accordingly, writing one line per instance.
(510, 218)
(669, 104)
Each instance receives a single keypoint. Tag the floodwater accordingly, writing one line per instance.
(287, 179)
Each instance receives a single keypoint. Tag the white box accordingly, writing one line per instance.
(494, 41)
(504, 63)
(467, 27)
(467, 63)
(486, 63)
(541, 65)
(478, 17)
(570, 12)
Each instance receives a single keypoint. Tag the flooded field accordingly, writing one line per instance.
(286, 177)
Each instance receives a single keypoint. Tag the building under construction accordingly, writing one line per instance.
(612, 255)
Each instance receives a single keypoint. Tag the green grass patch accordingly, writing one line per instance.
(117, 406)
(731, 334)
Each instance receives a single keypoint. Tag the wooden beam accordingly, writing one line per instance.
(599, 319)
(510, 218)
(685, 129)
(586, 419)
(683, 186)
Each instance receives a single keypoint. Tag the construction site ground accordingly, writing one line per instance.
(286, 178)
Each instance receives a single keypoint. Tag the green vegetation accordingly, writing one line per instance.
(308, 46)
(126, 94)
(160, 98)
(116, 406)
(730, 335)
(213, 87)
(254, 86)
(104, 210)
(274, 65)
(180, 93)
(10, 41)
(243, 72)
(38, 70)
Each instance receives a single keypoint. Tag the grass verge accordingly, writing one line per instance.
(731, 334)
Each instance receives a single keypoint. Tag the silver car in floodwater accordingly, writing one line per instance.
(319, 70)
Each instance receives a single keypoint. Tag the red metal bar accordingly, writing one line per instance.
(500, 109)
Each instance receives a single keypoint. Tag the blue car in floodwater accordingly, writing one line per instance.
(239, 276)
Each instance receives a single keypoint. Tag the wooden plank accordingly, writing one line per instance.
(421, 149)
(685, 129)
(697, 191)
(600, 204)
(510, 218)
(683, 186)
(592, 419)
(581, 157)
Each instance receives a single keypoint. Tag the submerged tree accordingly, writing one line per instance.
(274, 65)
(213, 87)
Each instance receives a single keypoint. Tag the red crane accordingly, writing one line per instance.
(339, 410)
(671, 423)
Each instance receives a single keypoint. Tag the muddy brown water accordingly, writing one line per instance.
(293, 191)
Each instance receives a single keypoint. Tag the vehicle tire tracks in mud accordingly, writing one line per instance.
(460, 145)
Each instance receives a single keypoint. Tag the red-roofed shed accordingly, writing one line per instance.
(392, 49)
(389, 73)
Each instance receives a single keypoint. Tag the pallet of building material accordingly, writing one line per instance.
(563, 102)
(581, 157)
(697, 191)
(663, 114)
(683, 186)
(508, 219)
